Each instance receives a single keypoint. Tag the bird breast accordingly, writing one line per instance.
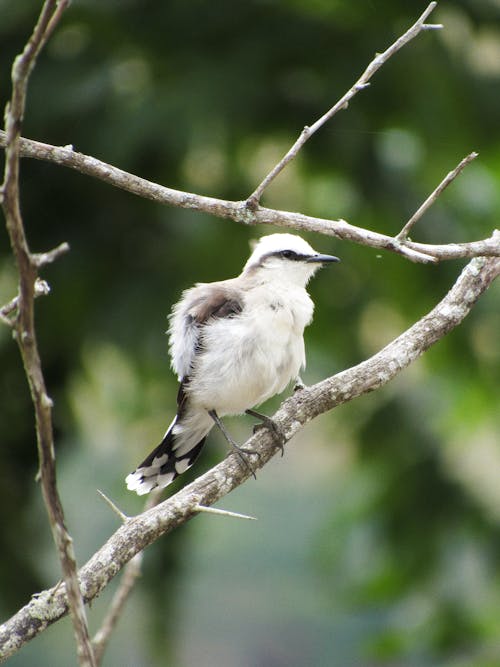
(247, 358)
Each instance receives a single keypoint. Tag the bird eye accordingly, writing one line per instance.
(288, 254)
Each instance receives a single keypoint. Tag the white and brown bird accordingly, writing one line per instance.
(233, 344)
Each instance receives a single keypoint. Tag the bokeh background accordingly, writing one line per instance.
(378, 539)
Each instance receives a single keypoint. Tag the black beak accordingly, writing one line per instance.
(322, 259)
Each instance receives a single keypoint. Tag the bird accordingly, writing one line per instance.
(233, 344)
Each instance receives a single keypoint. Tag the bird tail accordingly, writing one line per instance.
(177, 452)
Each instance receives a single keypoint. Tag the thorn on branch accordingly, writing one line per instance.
(123, 517)
(215, 510)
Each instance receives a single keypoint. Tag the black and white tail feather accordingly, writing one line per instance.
(177, 452)
(165, 463)
(233, 344)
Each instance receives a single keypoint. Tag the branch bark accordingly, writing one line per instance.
(139, 532)
(24, 322)
(239, 212)
(131, 573)
(124, 547)
(449, 178)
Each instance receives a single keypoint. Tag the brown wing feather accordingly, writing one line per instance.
(218, 303)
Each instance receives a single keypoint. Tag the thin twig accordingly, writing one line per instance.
(42, 288)
(488, 247)
(237, 211)
(114, 507)
(131, 573)
(24, 324)
(294, 413)
(136, 533)
(43, 258)
(361, 84)
(403, 234)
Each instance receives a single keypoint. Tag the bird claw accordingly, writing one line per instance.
(271, 425)
(243, 453)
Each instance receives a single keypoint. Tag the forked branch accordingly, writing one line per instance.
(237, 210)
(361, 84)
(137, 533)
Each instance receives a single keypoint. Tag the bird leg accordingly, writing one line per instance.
(241, 452)
(269, 423)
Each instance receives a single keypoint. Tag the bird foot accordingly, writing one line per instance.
(271, 425)
(241, 452)
(244, 453)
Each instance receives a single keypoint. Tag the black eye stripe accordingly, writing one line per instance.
(290, 254)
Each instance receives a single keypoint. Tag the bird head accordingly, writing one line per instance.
(286, 257)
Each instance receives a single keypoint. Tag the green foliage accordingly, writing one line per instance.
(400, 563)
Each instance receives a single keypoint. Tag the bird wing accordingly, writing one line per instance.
(197, 307)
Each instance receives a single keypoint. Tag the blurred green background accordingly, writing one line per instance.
(378, 540)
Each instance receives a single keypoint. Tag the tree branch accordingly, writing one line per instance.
(24, 322)
(449, 178)
(131, 573)
(362, 83)
(139, 532)
(237, 210)
(123, 549)
(41, 288)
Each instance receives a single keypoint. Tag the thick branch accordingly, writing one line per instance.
(24, 322)
(362, 83)
(237, 211)
(139, 532)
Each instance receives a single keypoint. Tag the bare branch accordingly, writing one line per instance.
(130, 575)
(403, 234)
(41, 288)
(487, 248)
(237, 211)
(123, 517)
(303, 406)
(43, 258)
(361, 84)
(7, 310)
(24, 324)
(124, 547)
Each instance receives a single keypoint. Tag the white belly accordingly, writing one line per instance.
(246, 361)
